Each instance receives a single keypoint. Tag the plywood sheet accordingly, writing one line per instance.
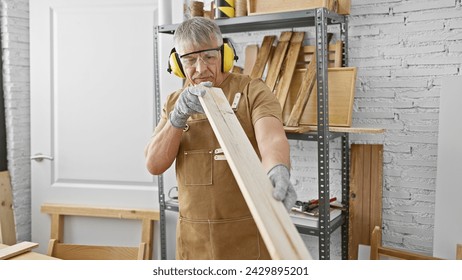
(366, 185)
(278, 232)
(341, 90)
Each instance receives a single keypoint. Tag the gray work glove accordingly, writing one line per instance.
(283, 191)
(187, 104)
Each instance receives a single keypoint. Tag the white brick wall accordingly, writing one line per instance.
(15, 44)
(417, 43)
(402, 49)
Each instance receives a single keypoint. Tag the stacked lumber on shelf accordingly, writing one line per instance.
(289, 69)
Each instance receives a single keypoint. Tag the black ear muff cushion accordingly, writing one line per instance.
(174, 65)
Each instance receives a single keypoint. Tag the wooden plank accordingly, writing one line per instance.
(306, 89)
(251, 53)
(7, 223)
(277, 230)
(275, 66)
(290, 62)
(16, 249)
(95, 252)
(292, 97)
(103, 212)
(459, 252)
(334, 55)
(341, 85)
(262, 57)
(365, 194)
(255, 7)
(344, 7)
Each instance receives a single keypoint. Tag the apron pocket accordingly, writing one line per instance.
(193, 241)
(236, 239)
(198, 167)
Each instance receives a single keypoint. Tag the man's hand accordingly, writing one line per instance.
(283, 190)
(187, 104)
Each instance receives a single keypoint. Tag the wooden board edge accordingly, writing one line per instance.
(278, 232)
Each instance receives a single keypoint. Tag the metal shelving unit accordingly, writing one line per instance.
(320, 19)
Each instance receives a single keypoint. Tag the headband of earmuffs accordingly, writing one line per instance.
(228, 56)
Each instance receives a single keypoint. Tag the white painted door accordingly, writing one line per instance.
(92, 112)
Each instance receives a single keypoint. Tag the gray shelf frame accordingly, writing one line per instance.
(319, 18)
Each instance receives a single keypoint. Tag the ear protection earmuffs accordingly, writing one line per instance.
(228, 56)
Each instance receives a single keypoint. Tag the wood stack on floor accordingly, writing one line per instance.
(289, 69)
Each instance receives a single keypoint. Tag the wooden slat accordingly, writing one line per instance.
(278, 57)
(94, 252)
(277, 230)
(294, 88)
(365, 194)
(341, 85)
(147, 230)
(459, 252)
(290, 62)
(251, 53)
(103, 212)
(262, 57)
(334, 55)
(16, 249)
(307, 88)
(7, 224)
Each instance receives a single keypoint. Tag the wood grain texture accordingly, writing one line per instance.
(274, 68)
(341, 90)
(278, 232)
(262, 57)
(255, 7)
(288, 68)
(365, 194)
(7, 223)
(16, 249)
(307, 88)
(57, 248)
(251, 53)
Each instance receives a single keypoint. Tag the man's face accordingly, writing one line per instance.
(202, 64)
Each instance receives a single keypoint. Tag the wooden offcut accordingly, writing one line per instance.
(251, 53)
(366, 184)
(341, 89)
(7, 223)
(277, 59)
(16, 249)
(274, 6)
(262, 57)
(57, 248)
(290, 61)
(307, 87)
(277, 230)
(334, 55)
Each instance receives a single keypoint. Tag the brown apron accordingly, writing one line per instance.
(214, 220)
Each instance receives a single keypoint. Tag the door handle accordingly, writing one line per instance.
(40, 157)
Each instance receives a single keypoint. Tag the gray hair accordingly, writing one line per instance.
(196, 31)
